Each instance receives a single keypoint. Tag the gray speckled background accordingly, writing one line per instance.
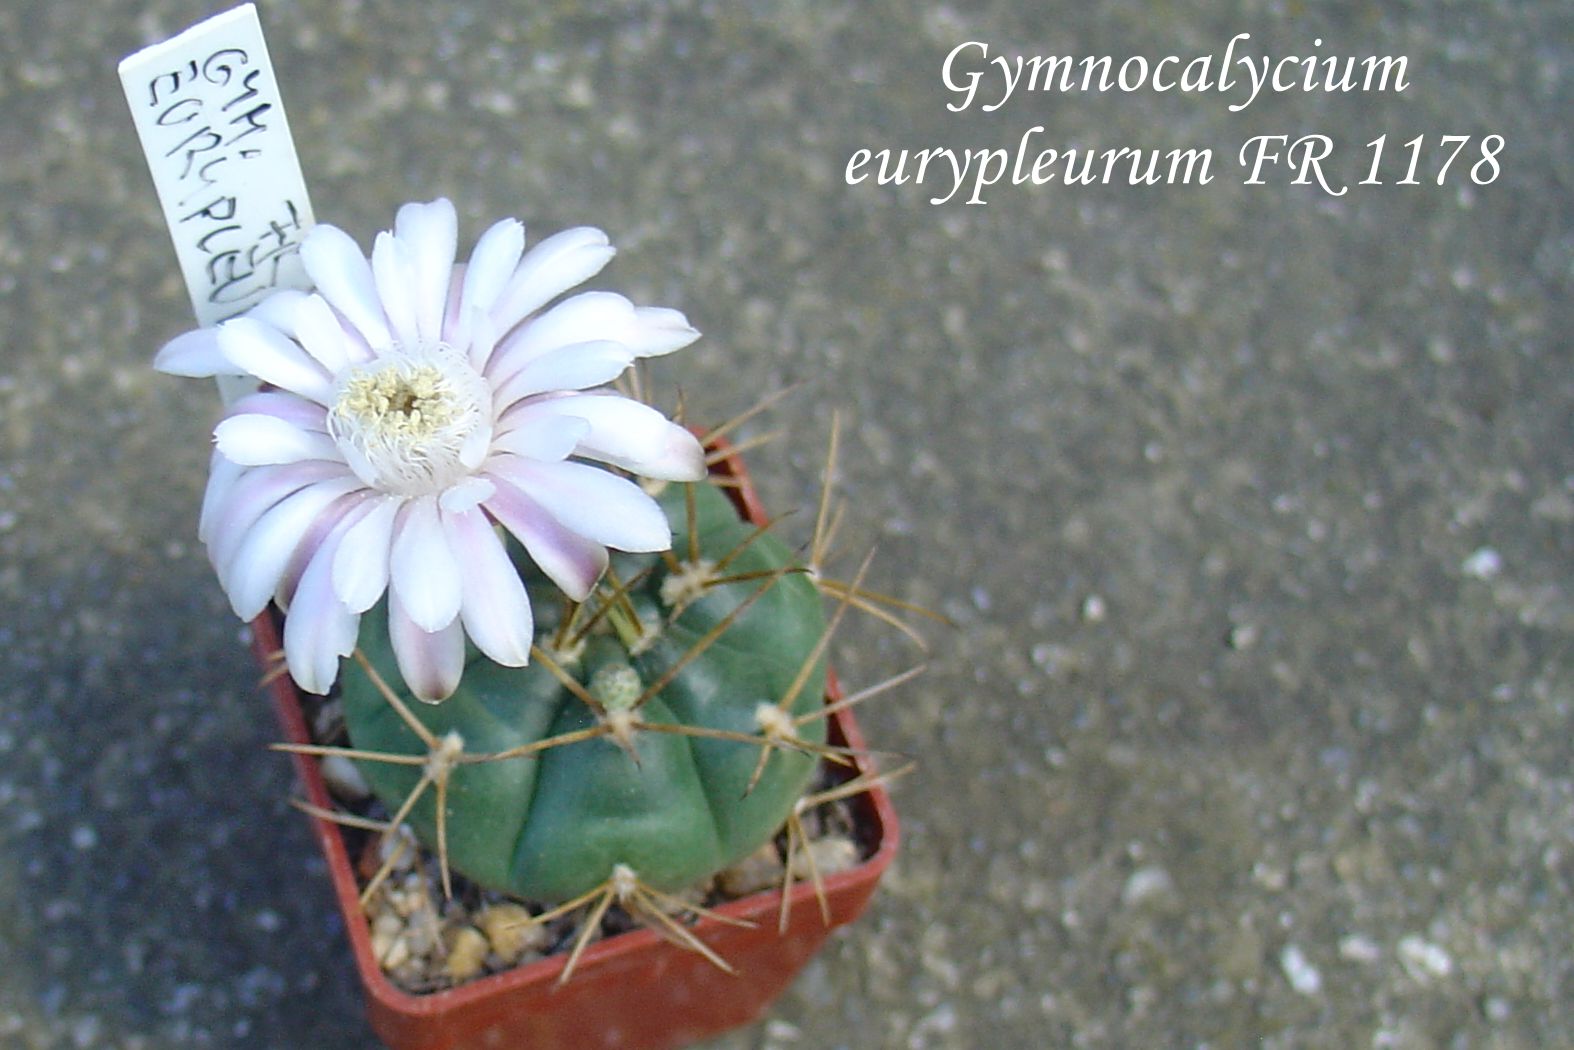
(1252, 507)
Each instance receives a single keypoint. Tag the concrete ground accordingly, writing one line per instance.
(1253, 506)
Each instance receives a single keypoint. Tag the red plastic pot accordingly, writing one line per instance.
(634, 991)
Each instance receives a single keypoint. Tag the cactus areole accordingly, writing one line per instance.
(673, 806)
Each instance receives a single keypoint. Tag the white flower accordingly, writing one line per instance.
(411, 404)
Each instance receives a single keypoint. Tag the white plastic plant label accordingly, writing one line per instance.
(207, 109)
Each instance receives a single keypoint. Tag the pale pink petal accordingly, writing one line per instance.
(333, 520)
(394, 274)
(251, 577)
(320, 333)
(495, 608)
(491, 265)
(197, 354)
(463, 495)
(473, 451)
(431, 662)
(319, 628)
(222, 477)
(450, 332)
(423, 571)
(297, 411)
(544, 436)
(584, 318)
(355, 345)
(478, 335)
(279, 309)
(476, 446)
(574, 367)
(360, 568)
(232, 515)
(548, 270)
(256, 440)
(429, 236)
(626, 434)
(568, 559)
(270, 355)
(590, 501)
(344, 278)
(659, 330)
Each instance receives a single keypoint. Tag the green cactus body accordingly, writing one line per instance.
(552, 826)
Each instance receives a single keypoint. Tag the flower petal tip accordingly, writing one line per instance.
(661, 331)
(195, 354)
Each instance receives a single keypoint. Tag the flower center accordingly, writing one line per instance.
(413, 422)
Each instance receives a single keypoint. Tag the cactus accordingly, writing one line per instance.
(697, 682)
